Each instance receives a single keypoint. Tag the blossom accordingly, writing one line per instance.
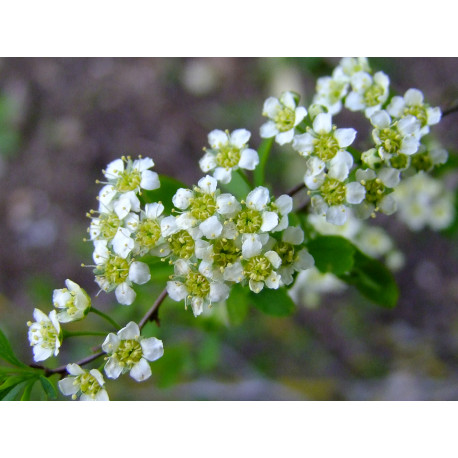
(261, 270)
(368, 93)
(45, 335)
(88, 384)
(284, 115)
(229, 152)
(114, 272)
(129, 352)
(195, 286)
(330, 91)
(73, 302)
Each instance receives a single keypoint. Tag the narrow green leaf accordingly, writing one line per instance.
(332, 253)
(373, 280)
(275, 302)
(11, 381)
(28, 390)
(49, 388)
(237, 305)
(263, 152)
(6, 352)
(14, 392)
(169, 186)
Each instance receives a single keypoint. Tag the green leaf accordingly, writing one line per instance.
(13, 393)
(28, 390)
(373, 280)
(275, 302)
(332, 254)
(49, 388)
(169, 186)
(263, 152)
(6, 352)
(237, 305)
(237, 187)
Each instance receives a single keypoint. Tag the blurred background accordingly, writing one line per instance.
(63, 120)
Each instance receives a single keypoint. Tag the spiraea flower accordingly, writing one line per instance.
(45, 335)
(368, 93)
(395, 140)
(412, 103)
(262, 270)
(129, 352)
(327, 145)
(294, 258)
(228, 152)
(180, 242)
(89, 385)
(116, 273)
(72, 302)
(348, 66)
(331, 90)
(194, 286)
(332, 197)
(379, 187)
(425, 159)
(284, 115)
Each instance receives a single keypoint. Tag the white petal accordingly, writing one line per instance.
(268, 130)
(129, 332)
(112, 368)
(256, 286)
(154, 210)
(106, 195)
(74, 369)
(139, 273)
(182, 198)
(304, 260)
(67, 386)
(125, 295)
(409, 145)
(337, 215)
(169, 226)
(234, 272)
(181, 267)
(218, 292)
(251, 246)
(322, 124)
(102, 395)
(433, 115)
(114, 169)
(239, 138)
(208, 184)
(227, 204)
(217, 138)
(223, 175)
(123, 244)
(273, 281)
(300, 113)
(249, 159)
(186, 221)
(197, 304)
(176, 290)
(285, 137)
(284, 204)
(355, 193)
(288, 100)
(354, 102)
(380, 119)
(388, 205)
(152, 348)
(345, 137)
(211, 227)
(271, 107)
(274, 258)
(396, 106)
(413, 97)
(303, 143)
(98, 376)
(207, 162)
(143, 164)
(150, 180)
(258, 198)
(111, 343)
(409, 125)
(40, 353)
(293, 235)
(315, 166)
(390, 177)
(269, 221)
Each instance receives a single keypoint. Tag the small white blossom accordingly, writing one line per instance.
(229, 152)
(262, 270)
(45, 335)
(284, 115)
(88, 384)
(129, 352)
(73, 302)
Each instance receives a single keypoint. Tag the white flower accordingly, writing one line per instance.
(229, 151)
(73, 302)
(368, 93)
(348, 66)
(106, 225)
(262, 270)
(45, 335)
(330, 91)
(129, 352)
(374, 241)
(284, 115)
(413, 104)
(113, 272)
(293, 258)
(195, 286)
(89, 384)
(148, 235)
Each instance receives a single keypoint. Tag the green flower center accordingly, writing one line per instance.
(373, 95)
(400, 161)
(225, 253)
(46, 335)
(115, 270)
(129, 353)
(286, 252)
(285, 119)
(228, 156)
(202, 206)
(419, 111)
(422, 162)
(390, 139)
(148, 233)
(326, 146)
(182, 244)
(108, 225)
(333, 191)
(257, 268)
(375, 190)
(197, 285)
(129, 180)
(249, 221)
(88, 384)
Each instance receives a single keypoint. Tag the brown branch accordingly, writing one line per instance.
(152, 314)
(296, 189)
(451, 110)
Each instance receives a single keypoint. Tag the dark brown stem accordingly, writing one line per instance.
(296, 189)
(450, 111)
(152, 315)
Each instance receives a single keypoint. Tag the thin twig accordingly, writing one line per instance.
(152, 312)
(451, 110)
(296, 189)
